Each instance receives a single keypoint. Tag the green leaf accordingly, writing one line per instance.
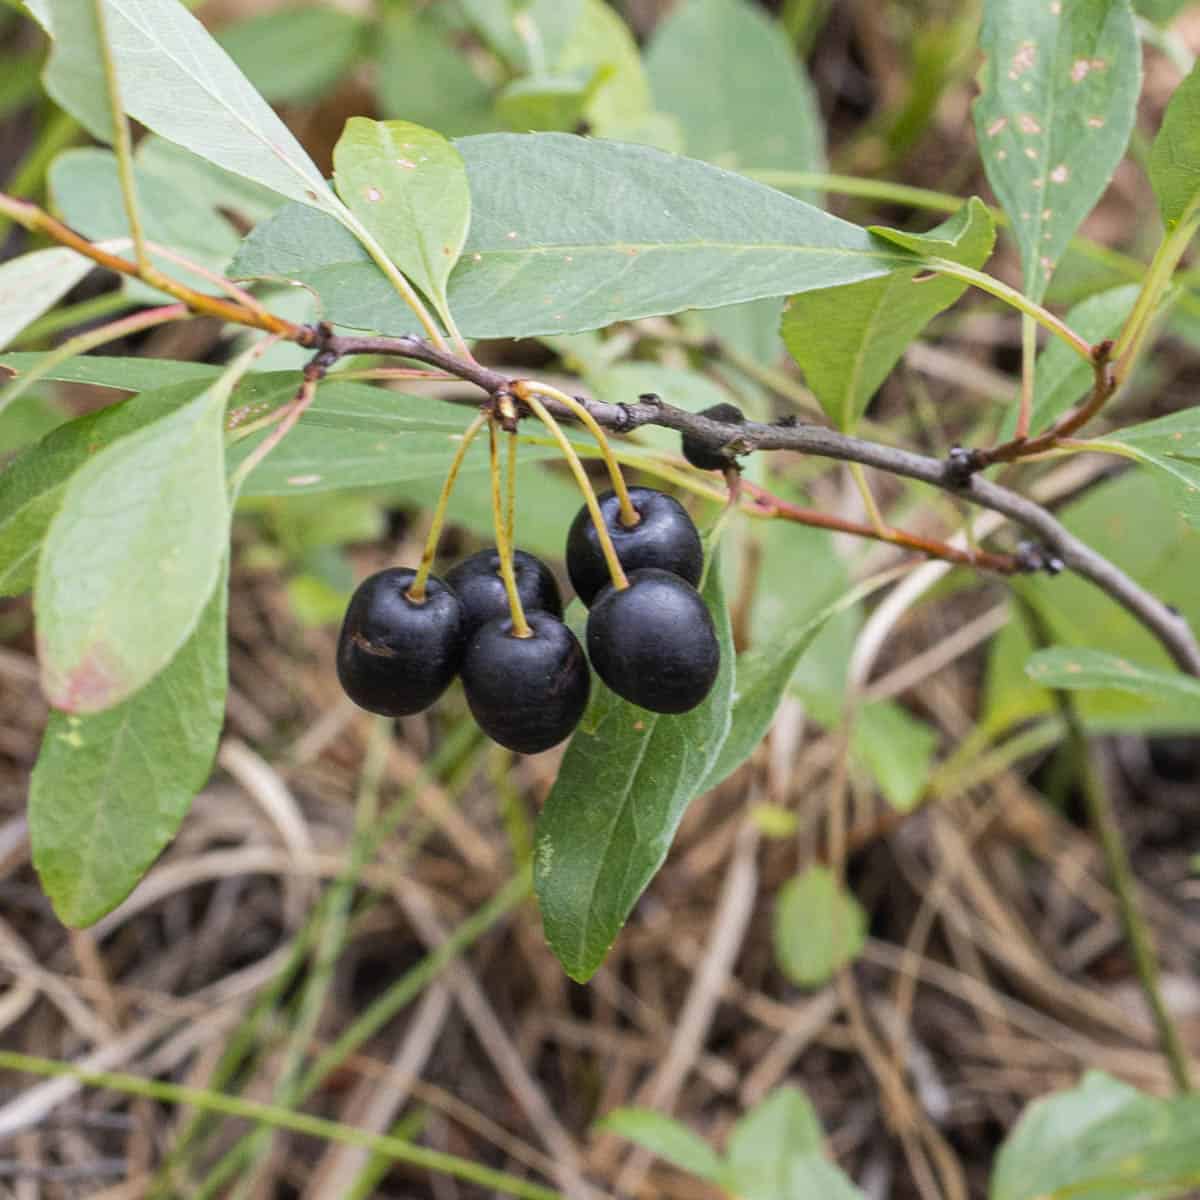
(1161, 12)
(86, 189)
(111, 789)
(74, 74)
(665, 1137)
(294, 55)
(699, 62)
(818, 927)
(1081, 668)
(620, 106)
(1063, 377)
(848, 339)
(1175, 155)
(179, 83)
(424, 79)
(408, 187)
(528, 34)
(761, 680)
(204, 182)
(31, 487)
(33, 284)
(1102, 1140)
(131, 557)
(623, 787)
(768, 1140)
(546, 101)
(1160, 554)
(27, 420)
(582, 234)
(1059, 94)
(897, 749)
(1170, 445)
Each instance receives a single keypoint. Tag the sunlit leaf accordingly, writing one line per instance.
(819, 927)
(1175, 156)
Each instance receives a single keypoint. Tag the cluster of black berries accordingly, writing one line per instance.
(652, 642)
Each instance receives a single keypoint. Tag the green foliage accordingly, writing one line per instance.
(34, 283)
(775, 1150)
(1059, 92)
(1087, 669)
(1102, 1140)
(408, 187)
(127, 775)
(1171, 446)
(819, 927)
(295, 54)
(581, 235)
(849, 338)
(1175, 154)
(131, 557)
(623, 787)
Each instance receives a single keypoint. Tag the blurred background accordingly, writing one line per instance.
(989, 966)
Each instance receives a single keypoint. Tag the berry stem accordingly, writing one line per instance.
(416, 590)
(629, 514)
(503, 539)
(615, 571)
(510, 501)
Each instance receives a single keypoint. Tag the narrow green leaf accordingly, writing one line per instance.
(1079, 667)
(764, 1144)
(848, 339)
(624, 784)
(584, 233)
(408, 187)
(1063, 377)
(131, 557)
(818, 927)
(113, 371)
(1059, 94)
(1175, 156)
(665, 1137)
(1160, 554)
(178, 82)
(1102, 1140)
(33, 283)
(897, 749)
(1161, 12)
(28, 420)
(761, 680)
(110, 789)
(31, 487)
(86, 189)
(1171, 446)
(295, 54)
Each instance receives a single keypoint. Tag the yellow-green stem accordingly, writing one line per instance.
(868, 499)
(1158, 278)
(503, 542)
(994, 287)
(615, 571)
(122, 142)
(1028, 360)
(510, 500)
(416, 590)
(629, 515)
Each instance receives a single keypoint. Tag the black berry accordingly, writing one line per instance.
(396, 657)
(477, 583)
(701, 454)
(665, 538)
(526, 693)
(653, 642)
